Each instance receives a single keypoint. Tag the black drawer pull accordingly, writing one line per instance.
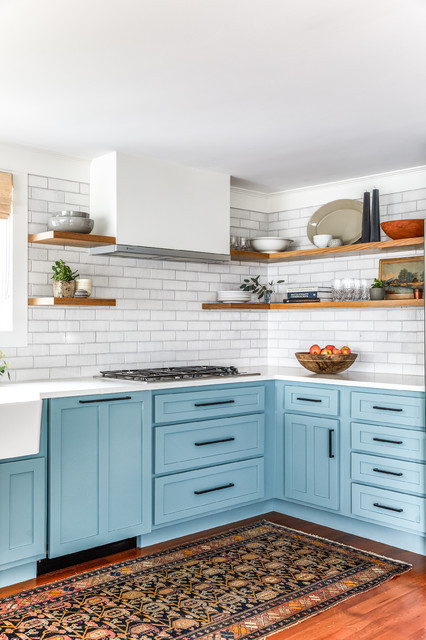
(105, 400)
(225, 486)
(389, 473)
(388, 441)
(382, 506)
(202, 444)
(386, 408)
(330, 443)
(309, 399)
(210, 404)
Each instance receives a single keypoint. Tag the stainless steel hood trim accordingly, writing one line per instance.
(155, 253)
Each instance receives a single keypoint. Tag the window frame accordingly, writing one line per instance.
(18, 336)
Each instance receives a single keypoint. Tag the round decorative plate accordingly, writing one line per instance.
(341, 218)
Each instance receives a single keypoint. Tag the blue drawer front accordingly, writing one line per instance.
(193, 493)
(389, 507)
(187, 446)
(389, 473)
(196, 405)
(390, 441)
(312, 400)
(392, 409)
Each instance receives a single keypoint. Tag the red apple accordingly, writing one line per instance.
(336, 351)
(315, 349)
(326, 352)
(329, 346)
(345, 350)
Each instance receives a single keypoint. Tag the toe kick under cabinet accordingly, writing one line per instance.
(208, 450)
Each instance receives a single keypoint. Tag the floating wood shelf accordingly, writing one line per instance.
(71, 302)
(243, 306)
(301, 254)
(82, 240)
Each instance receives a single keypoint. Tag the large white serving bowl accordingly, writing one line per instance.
(268, 245)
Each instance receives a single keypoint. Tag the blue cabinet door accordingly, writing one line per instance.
(311, 460)
(22, 510)
(99, 471)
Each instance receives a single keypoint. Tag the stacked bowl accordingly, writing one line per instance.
(71, 221)
(234, 296)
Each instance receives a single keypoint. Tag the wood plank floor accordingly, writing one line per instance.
(395, 610)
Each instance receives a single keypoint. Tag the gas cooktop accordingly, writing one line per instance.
(173, 373)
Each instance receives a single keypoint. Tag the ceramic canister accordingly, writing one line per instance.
(84, 283)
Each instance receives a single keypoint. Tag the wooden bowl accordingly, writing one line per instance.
(318, 363)
(400, 229)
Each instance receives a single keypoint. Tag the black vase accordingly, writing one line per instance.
(365, 237)
(375, 218)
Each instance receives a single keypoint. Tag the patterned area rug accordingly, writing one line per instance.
(244, 584)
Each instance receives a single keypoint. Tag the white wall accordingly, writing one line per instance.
(387, 340)
(158, 319)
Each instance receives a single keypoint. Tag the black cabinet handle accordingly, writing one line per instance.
(386, 408)
(225, 486)
(309, 399)
(105, 400)
(330, 443)
(382, 506)
(389, 473)
(202, 444)
(388, 441)
(210, 404)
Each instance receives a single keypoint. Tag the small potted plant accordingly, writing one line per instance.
(4, 366)
(63, 280)
(377, 290)
(261, 290)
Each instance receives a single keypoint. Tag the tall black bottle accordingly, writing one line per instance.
(365, 237)
(375, 218)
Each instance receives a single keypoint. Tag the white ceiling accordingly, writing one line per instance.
(278, 94)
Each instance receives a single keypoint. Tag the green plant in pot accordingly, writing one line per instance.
(63, 280)
(4, 366)
(261, 290)
(377, 290)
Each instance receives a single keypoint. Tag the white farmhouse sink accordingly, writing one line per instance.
(20, 426)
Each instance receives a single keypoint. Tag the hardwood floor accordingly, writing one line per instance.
(395, 610)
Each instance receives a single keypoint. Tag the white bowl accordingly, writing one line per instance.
(321, 241)
(268, 245)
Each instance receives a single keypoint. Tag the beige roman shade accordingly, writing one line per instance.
(6, 189)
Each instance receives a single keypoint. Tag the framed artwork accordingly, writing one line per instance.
(402, 275)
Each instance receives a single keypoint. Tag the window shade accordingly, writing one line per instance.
(6, 188)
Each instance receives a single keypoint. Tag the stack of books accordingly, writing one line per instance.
(308, 293)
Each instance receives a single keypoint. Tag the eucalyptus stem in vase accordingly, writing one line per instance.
(264, 291)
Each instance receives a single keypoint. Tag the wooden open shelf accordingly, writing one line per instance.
(243, 306)
(300, 254)
(71, 302)
(83, 240)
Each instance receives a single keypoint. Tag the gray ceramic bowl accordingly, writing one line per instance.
(73, 225)
(73, 214)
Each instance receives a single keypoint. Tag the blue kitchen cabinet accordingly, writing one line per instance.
(210, 455)
(99, 470)
(311, 460)
(22, 511)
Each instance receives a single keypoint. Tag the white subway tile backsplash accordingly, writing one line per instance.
(158, 319)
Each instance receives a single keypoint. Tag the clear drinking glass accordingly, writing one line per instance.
(336, 288)
(244, 244)
(365, 290)
(234, 244)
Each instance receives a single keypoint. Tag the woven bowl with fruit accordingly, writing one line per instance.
(330, 359)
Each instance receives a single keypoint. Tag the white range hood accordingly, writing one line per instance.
(159, 210)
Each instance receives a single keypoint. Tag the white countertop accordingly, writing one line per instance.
(25, 391)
